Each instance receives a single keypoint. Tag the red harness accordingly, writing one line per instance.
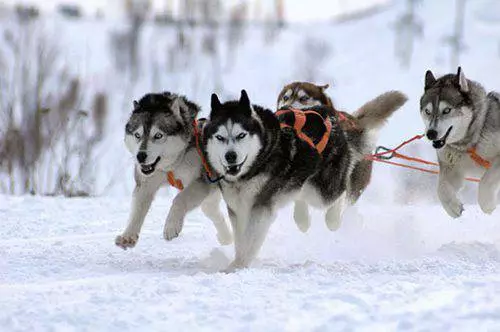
(300, 121)
(177, 183)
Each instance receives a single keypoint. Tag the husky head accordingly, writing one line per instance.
(301, 95)
(233, 137)
(446, 108)
(159, 130)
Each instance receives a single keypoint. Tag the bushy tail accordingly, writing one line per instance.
(371, 116)
(375, 113)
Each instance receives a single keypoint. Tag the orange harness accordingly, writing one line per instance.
(300, 121)
(177, 183)
(387, 154)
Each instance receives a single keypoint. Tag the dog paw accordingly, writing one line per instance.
(172, 230)
(333, 219)
(487, 202)
(224, 238)
(233, 267)
(301, 217)
(454, 208)
(126, 240)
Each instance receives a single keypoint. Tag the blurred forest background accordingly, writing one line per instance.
(70, 70)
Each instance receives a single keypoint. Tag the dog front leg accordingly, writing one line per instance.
(211, 208)
(489, 187)
(450, 183)
(252, 237)
(186, 200)
(142, 197)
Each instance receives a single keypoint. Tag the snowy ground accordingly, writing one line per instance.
(388, 268)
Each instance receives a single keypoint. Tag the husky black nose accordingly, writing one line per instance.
(231, 157)
(141, 156)
(432, 134)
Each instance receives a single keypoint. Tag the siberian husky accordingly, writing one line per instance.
(343, 177)
(463, 122)
(160, 135)
(263, 166)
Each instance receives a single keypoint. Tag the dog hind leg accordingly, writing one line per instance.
(301, 216)
(333, 217)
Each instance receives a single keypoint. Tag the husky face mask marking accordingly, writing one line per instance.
(444, 109)
(301, 95)
(233, 140)
(155, 133)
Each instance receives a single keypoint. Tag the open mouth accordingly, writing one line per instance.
(148, 169)
(438, 144)
(235, 168)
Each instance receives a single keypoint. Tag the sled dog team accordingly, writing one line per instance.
(307, 152)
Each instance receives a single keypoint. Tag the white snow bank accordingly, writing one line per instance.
(388, 268)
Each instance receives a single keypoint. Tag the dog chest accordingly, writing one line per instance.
(188, 169)
(462, 161)
(240, 196)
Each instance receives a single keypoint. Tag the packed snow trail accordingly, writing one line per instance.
(387, 268)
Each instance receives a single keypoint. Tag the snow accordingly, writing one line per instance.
(388, 268)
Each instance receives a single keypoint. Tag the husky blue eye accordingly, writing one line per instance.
(303, 98)
(219, 137)
(241, 136)
(285, 98)
(447, 110)
(427, 111)
(137, 135)
(158, 136)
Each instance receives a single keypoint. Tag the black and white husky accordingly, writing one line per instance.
(160, 135)
(263, 167)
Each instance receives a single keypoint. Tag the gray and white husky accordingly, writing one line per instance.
(463, 122)
(160, 134)
(263, 167)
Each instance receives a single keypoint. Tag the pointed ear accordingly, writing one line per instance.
(215, 102)
(323, 87)
(136, 105)
(245, 103)
(429, 79)
(462, 81)
(176, 107)
(244, 100)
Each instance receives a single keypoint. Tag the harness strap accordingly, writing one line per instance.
(477, 158)
(176, 183)
(300, 121)
(204, 162)
(301, 135)
(197, 135)
(387, 154)
(326, 136)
